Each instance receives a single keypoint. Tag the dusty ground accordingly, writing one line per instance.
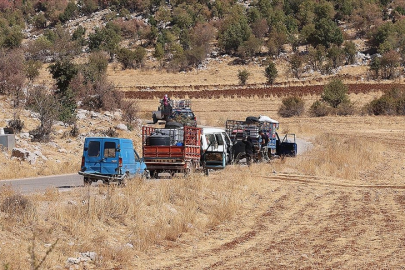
(310, 221)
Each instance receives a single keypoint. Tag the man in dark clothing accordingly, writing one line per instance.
(249, 150)
(238, 149)
(264, 138)
(264, 141)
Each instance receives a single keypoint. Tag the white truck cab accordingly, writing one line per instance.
(216, 148)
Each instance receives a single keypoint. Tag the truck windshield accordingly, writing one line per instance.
(94, 149)
(109, 149)
(219, 139)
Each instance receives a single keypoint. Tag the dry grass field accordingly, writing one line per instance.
(340, 204)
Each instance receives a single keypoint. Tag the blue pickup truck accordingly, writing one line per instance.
(110, 160)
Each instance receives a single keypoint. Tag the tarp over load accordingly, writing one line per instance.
(263, 118)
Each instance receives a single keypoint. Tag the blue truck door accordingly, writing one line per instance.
(127, 155)
(138, 162)
(109, 156)
(92, 155)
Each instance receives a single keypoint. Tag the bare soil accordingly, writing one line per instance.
(309, 221)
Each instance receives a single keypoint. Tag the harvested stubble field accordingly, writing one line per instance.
(340, 204)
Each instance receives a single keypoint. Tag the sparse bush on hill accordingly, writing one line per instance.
(12, 75)
(319, 109)
(32, 68)
(350, 52)
(106, 38)
(390, 61)
(391, 103)
(291, 106)
(102, 96)
(336, 56)
(69, 12)
(95, 68)
(110, 132)
(63, 72)
(271, 73)
(12, 37)
(243, 76)
(43, 102)
(296, 65)
(316, 57)
(129, 112)
(16, 124)
(344, 109)
(126, 57)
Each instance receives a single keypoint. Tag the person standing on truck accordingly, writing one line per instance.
(165, 100)
(249, 149)
(167, 108)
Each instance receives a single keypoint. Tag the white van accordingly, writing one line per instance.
(216, 148)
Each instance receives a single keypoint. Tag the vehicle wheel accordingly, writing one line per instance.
(238, 157)
(155, 120)
(146, 174)
(206, 172)
(190, 169)
(87, 181)
(124, 181)
(152, 174)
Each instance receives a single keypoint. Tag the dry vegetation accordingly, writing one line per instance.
(337, 205)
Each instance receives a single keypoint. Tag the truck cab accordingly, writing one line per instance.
(110, 160)
(216, 148)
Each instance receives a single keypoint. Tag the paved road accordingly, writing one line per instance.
(38, 184)
(66, 181)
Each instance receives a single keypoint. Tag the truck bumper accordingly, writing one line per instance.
(105, 178)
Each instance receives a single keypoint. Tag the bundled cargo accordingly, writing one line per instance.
(171, 150)
(252, 126)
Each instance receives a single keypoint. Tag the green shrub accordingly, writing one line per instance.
(319, 109)
(345, 108)
(391, 103)
(243, 76)
(126, 57)
(291, 106)
(16, 124)
(382, 106)
(271, 73)
(334, 93)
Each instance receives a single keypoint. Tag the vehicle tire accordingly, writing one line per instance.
(238, 157)
(206, 172)
(124, 181)
(190, 169)
(87, 181)
(155, 120)
(146, 175)
(153, 174)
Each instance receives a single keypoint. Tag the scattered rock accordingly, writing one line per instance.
(24, 135)
(122, 127)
